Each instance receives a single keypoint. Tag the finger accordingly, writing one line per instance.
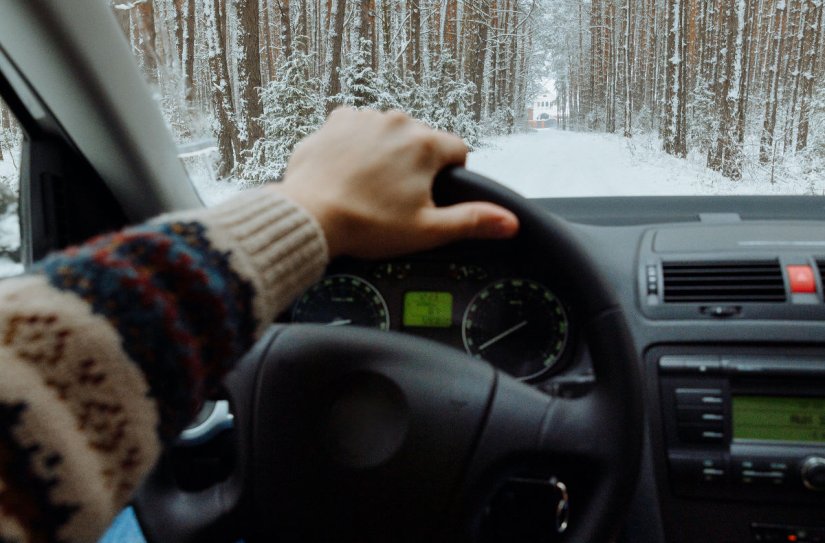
(477, 220)
(340, 111)
(397, 117)
(436, 149)
(451, 149)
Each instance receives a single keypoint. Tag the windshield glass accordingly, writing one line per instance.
(10, 145)
(553, 97)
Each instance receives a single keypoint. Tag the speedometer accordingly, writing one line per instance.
(518, 325)
(340, 300)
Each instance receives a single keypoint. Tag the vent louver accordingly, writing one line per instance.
(701, 282)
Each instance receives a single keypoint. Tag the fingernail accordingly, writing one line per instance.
(501, 229)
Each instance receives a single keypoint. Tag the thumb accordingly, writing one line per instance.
(477, 220)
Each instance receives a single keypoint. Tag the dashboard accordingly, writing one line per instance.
(730, 340)
(506, 308)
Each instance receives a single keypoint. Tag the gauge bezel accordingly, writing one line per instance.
(369, 285)
(557, 363)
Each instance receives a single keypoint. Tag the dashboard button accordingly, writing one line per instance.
(701, 433)
(760, 472)
(698, 468)
(698, 397)
(700, 415)
(813, 473)
(801, 279)
(690, 363)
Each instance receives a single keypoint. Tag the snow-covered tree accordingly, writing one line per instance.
(364, 87)
(293, 108)
(453, 110)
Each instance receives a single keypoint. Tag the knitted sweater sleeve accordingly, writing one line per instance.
(107, 349)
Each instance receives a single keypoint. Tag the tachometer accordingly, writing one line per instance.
(340, 300)
(518, 325)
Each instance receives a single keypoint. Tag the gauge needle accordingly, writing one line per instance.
(502, 335)
(340, 322)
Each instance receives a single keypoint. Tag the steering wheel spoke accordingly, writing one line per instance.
(571, 428)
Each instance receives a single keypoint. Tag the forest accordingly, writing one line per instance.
(738, 83)
(261, 74)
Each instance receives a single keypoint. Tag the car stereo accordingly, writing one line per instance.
(745, 427)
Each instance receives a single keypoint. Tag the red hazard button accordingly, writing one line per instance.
(801, 279)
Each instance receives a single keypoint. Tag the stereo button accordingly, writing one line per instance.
(698, 469)
(705, 397)
(690, 363)
(701, 433)
(701, 415)
(750, 472)
(813, 473)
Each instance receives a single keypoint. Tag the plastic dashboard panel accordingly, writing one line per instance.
(660, 512)
(623, 247)
(786, 243)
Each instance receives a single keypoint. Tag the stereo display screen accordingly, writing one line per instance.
(779, 418)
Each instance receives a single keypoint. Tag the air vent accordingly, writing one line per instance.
(703, 282)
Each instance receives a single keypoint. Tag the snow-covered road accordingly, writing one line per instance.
(552, 162)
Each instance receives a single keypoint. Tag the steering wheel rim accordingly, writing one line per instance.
(502, 420)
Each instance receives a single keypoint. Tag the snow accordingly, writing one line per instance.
(9, 267)
(557, 163)
(10, 229)
(9, 223)
(211, 190)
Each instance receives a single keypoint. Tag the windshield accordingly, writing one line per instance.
(553, 97)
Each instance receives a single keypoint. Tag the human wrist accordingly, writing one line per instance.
(320, 208)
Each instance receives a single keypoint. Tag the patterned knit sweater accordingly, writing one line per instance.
(108, 349)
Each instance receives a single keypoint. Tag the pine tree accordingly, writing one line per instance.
(293, 108)
(361, 86)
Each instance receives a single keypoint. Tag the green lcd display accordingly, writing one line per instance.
(428, 309)
(779, 418)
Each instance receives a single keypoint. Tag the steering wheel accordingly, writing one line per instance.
(360, 435)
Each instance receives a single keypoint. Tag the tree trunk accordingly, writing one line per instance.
(249, 72)
(373, 34)
(270, 49)
(727, 154)
(628, 96)
(386, 34)
(793, 75)
(336, 42)
(147, 39)
(673, 133)
(476, 53)
(286, 28)
(415, 37)
(813, 38)
(766, 143)
(451, 29)
(227, 135)
(189, 34)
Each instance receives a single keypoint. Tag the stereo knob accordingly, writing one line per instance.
(813, 473)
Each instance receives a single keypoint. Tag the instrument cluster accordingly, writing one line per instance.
(506, 316)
